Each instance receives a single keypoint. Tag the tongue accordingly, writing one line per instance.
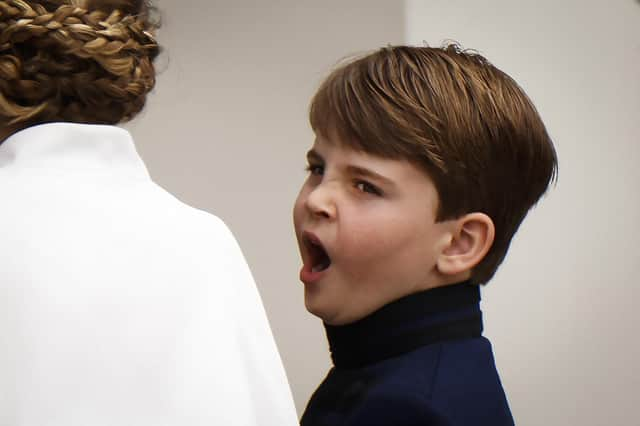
(324, 264)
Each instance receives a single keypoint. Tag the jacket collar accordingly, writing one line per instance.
(72, 147)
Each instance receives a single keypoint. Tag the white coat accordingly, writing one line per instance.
(120, 305)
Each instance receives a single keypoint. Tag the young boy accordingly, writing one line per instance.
(426, 160)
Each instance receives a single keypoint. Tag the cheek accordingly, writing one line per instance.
(387, 240)
(371, 236)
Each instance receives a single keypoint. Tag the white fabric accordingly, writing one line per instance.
(119, 305)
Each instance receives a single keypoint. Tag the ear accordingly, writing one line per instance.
(471, 238)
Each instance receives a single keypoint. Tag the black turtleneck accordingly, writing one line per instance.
(431, 316)
(420, 360)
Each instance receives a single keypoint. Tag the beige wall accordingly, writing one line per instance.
(226, 131)
(562, 313)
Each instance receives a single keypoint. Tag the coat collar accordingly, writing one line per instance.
(71, 147)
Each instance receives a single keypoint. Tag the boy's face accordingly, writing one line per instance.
(366, 232)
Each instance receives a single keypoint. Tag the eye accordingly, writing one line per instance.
(365, 186)
(315, 169)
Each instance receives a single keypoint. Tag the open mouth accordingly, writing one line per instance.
(318, 256)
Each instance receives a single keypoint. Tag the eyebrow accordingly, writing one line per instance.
(313, 155)
(360, 171)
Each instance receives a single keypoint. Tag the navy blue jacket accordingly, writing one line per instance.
(419, 361)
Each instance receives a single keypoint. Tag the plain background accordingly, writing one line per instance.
(226, 131)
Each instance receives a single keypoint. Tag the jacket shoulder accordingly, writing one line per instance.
(467, 386)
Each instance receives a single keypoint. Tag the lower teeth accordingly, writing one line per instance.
(320, 267)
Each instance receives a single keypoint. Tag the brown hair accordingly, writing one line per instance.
(462, 120)
(86, 61)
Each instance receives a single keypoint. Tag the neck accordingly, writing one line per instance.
(441, 314)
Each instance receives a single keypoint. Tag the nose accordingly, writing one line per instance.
(321, 201)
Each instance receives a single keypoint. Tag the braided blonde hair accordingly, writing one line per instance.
(85, 61)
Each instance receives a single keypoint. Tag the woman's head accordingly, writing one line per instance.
(85, 61)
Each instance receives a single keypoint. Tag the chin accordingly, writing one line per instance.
(311, 307)
(327, 319)
(317, 311)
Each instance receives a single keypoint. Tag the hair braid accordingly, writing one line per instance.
(73, 63)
